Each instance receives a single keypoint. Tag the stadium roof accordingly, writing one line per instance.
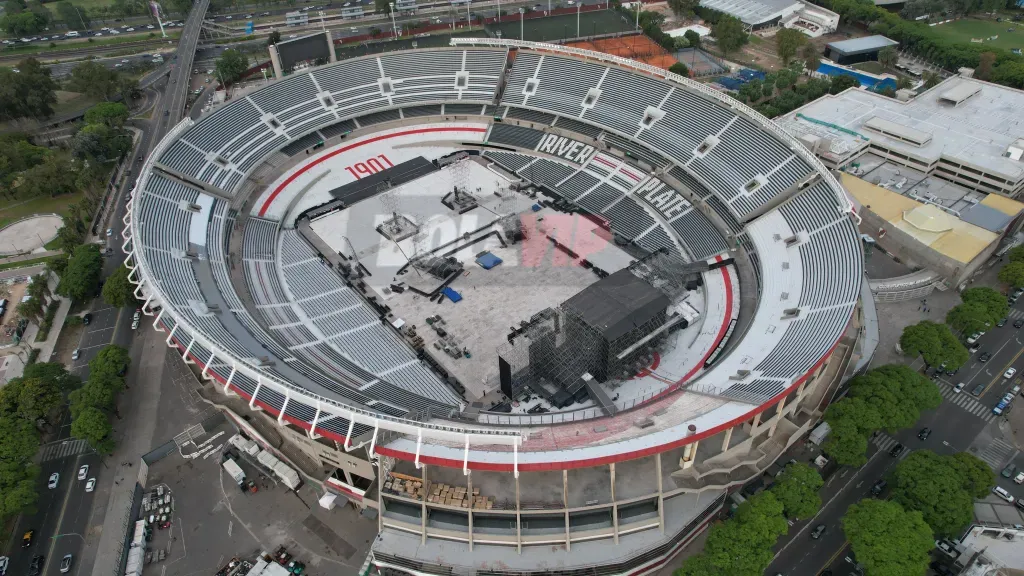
(618, 303)
(753, 12)
(978, 131)
(862, 45)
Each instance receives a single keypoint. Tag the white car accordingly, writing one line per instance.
(4, 562)
(83, 472)
(958, 388)
(149, 26)
(125, 61)
(98, 34)
(135, 324)
(1019, 478)
(114, 32)
(1010, 373)
(90, 485)
(998, 491)
(54, 480)
(76, 354)
(130, 30)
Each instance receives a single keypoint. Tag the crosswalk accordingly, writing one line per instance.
(886, 442)
(63, 449)
(996, 453)
(965, 401)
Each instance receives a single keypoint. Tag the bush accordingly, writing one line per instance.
(33, 355)
(44, 328)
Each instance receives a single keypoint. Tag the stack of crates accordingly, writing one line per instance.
(459, 497)
(407, 488)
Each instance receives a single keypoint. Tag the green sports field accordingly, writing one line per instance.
(966, 29)
(564, 26)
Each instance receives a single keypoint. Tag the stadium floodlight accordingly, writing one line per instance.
(394, 27)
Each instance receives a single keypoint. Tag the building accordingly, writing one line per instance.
(296, 18)
(962, 130)
(405, 5)
(990, 550)
(761, 14)
(352, 11)
(857, 49)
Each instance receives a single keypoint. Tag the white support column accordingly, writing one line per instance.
(280, 415)
(348, 436)
(565, 507)
(661, 493)
(465, 458)
(515, 460)
(373, 441)
(227, 383)
(171, 335)
(156, 321)
(615, 507)
(423, 510)
(312, 425)
(778, 416)
(519, 521)
(188, 349)
(206, 368)
(252, 401)
(145, 306)
(727, 439)
(419, 445)
(469, 491)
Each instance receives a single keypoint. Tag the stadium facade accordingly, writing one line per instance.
(285, 314)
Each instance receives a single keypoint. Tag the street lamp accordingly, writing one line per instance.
(469, 19)
(578, 6)
(322, 25)
(499, 12)
(521, 12)
(394, 27)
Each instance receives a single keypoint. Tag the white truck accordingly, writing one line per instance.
(234, 470)
(819, 433)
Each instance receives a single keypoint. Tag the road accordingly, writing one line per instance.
(962, 423)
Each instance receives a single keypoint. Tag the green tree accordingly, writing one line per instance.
(811, 56)
(683, 8)
(846, 444)
(888, 540)
(231, 65)
(21, 441)
(986, 62)
(23, 23)
(729, 34)
(28, 93)
(19, 493)
(38, 398)
(842, 82)
(976, 476)
(1016, 254)
(741, 546)
(109, 362)
(54, 373)
(97, 393)
(100, 142)
(274, 38)
(935, 343)
(111, 114)
(82, 276)
(118, 291)
(693, 38)
(72, 16)
(931, 79)
(787, 42)
(897, 393)
(1013, 274)
(797, 489)
(932, 485)
(679, 68)
(888, 57)
(993, 301)
(94, 427)
(381, 6)
(93, 79)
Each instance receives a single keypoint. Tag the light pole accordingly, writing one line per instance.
(499, 12)
(394, 27)
(638, 5)
(521, 12)
(322, 25)
(469, 19)
(549, 7)
(578, 6)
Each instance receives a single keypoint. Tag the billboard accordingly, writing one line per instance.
(313, 49)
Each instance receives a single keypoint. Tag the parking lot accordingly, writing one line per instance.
(214, 521)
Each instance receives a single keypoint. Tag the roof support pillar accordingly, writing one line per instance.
(188, 349)
(423, 510)
(252, 401)
(419, 445)
(519, 521)
(615, 506)
(280, 415)
(206, 368)
(565, 506)
(661, 493)
(347, 445)
(469, 491)
(170, 335)
(373, 441)
(227, 383)
(465, 458)
(312, 425)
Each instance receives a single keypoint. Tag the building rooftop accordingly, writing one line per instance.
(862, 45)
(752, 12)
(979, 130)
(617, 304)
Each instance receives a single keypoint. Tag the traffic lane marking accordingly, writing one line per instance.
(1000, 376)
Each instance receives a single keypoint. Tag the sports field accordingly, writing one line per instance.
(966, 29)
(564, 26)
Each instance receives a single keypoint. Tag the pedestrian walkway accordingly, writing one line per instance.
(886, 443)
(996, 453)
(965, 401)
(1015, 314)
(63, 449)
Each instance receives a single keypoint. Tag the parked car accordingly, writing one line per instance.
(90, 485)
(4, 563)
(1010, 373)
(65, 564)
(1008, 470)
(974, 337)
(35, 568)
(978, 390)
(946, 547)
(1019, 478)
(958, 388)
(83, 472)
(999, 408)
(984, 357)
(76, 354)
(53, 481)
(87, 319)
(1002, 322)
(999, 491)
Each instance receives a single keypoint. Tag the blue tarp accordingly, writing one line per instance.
(730, 83)
(451, 294)
(747, 75)
(488, 260)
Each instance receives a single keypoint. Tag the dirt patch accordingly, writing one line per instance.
(9, 321)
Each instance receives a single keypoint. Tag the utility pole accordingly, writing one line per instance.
(578, 6)
(394, 27)
(521, 12)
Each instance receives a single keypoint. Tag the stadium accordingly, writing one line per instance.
(563, 302)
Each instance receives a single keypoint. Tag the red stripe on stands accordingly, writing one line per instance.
(333, 153)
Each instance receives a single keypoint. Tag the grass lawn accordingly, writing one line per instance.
(11, 211)
(26, 263)
(870, 67)
(965, 29)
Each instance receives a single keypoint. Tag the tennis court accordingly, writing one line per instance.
(635, 46)
(562, 27)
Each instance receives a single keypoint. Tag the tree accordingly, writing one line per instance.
(888, 540)
(985, 64)
(797, 489)
(931, 79)
(846, 444)
(23, 23)
(100, 142)
(93, 79)
(73, 17)
(100, 394)
(109, 362)
(21, 441)
(969, 317)
(1013, 274)
(381, 6)
(842, 82)
(94, 427)
(28, 93)
(976, 476)
(53, 372)
(679, 68)
(898, 394)
(693, 38)
(82, 275)
(37, 399)
(787, 42)
(993, 301)
(729, 34)
(231, 65)
(20, 494)
(57, 265)
(741, 546)
(683, 8)
(1016, 254)
(935, 343)
(903, 83)
(811, 56)
(932, 485)
(118, 291)
(888, 57)
(111, 114)
(274, 38)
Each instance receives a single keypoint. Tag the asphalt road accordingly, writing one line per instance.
(954, 428)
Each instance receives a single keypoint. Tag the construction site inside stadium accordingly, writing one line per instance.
(558, 299)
